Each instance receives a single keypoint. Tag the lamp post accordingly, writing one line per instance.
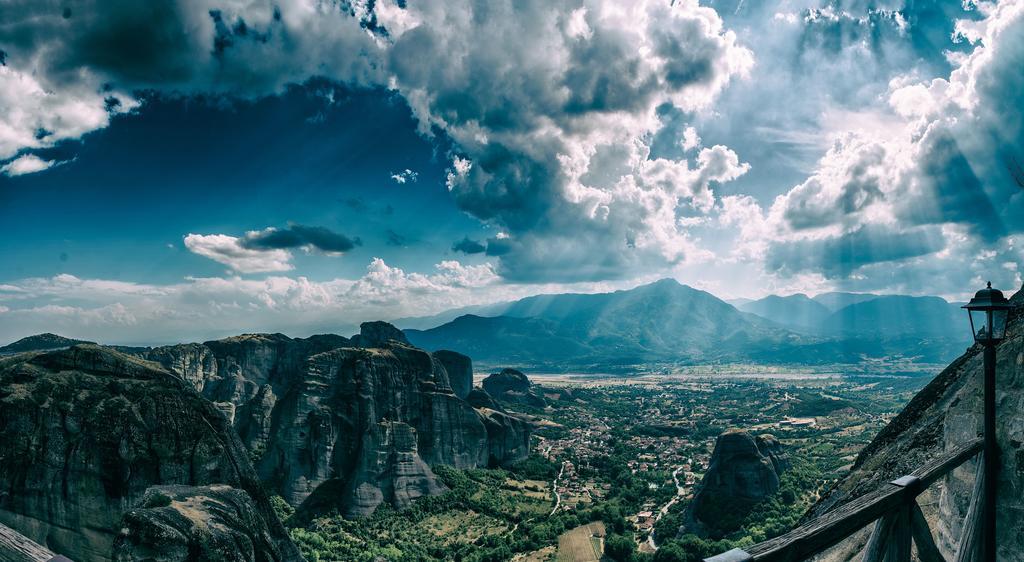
(987, 312)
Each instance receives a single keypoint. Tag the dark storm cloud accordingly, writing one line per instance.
(955, 189)
(468, 246)
(839, 257)
(297, 236)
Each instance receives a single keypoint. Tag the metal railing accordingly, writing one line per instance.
(897, 517)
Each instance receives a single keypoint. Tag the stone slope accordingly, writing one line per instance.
(947, 412)
(85, 431)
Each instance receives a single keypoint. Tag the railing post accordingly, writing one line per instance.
(969, 549)
(876, 549)
(926, 549)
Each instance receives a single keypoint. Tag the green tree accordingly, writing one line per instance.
(619, 547)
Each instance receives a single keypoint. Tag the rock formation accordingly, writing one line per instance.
(770, 448)
(195, 524)
(460, 371)
(508, 437)
(389, 470)
(308, 410)
(87, 430)
(378, 334)
(478, 398)
(743, 471)
(947, 412)
(512, 386)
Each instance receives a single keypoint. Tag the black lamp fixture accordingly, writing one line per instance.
(988, 311)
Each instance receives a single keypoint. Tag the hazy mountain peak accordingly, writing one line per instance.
(40, 342)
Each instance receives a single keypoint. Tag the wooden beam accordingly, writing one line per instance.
(15, 547)
(969, 549)
(835, 526)
(875, 550)
(927, 551)
(898, 549)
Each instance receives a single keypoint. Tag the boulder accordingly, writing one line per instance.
(512, 386)
(195, 524)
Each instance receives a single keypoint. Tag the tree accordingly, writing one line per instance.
(619, 547)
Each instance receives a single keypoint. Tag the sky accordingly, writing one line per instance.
(184, 170)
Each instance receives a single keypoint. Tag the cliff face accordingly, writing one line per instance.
(85, 431)
(743, 471)
(389, 470)
(308, 409)
(947, 412)
(460, 371)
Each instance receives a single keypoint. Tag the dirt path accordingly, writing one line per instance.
(554, 490)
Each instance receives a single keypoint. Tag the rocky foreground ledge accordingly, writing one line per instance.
(95, 441)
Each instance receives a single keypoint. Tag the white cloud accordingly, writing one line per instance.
(207, 307)
(925, 202)
(405, 176)
(26, 164)
(229, 251)
(533, 94)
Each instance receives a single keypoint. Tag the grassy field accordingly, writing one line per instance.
(582, 544)
(462, 526)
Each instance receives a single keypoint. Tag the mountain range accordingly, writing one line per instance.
(667, 322)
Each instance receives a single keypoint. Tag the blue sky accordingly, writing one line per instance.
(185, 171)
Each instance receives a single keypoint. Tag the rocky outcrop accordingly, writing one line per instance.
(512, 386)
(85, 431)
(478, 398)
(195, 524)
(307, 409)
(770, 448)
(245, 375)
(947, 412)
(325, 427)
(460, 371)
(508, 437)
(378, 334)
(743, 471)
(390, 470)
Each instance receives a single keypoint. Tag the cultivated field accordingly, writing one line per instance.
(582, 544)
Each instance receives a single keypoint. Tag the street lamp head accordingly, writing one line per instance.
(987, 312)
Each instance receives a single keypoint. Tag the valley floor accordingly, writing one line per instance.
(615, 464)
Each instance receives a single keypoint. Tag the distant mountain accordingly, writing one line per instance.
(426, 322)
(898, 315)
(834, 301)
(40, 342)
(666, 322)
(797, 311)
(662, 321)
